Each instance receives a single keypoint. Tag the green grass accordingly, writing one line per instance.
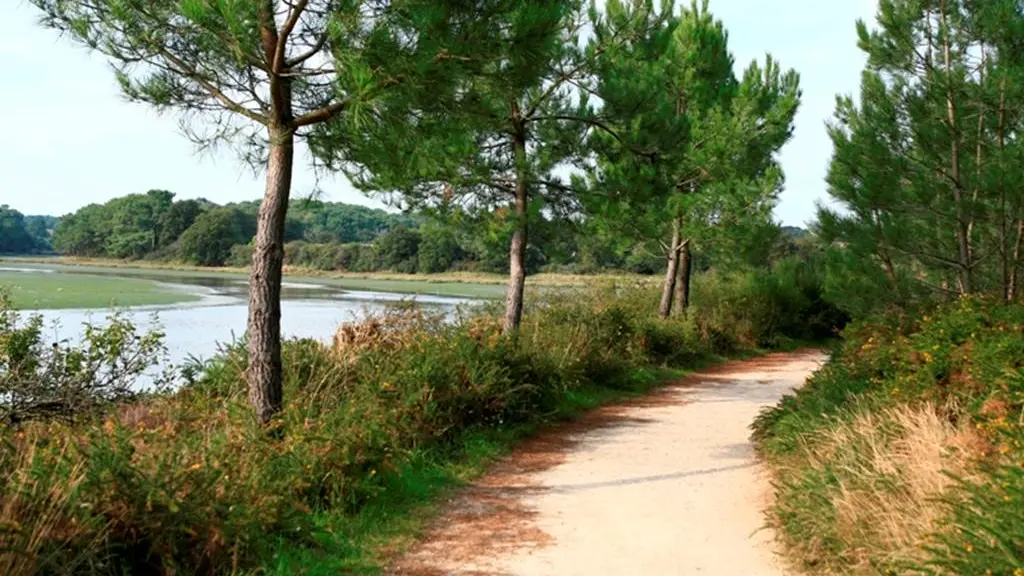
(432, 285)
(30, 290)
(456, 289)
(416, 491)
(375, 430)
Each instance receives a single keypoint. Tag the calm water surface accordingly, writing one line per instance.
(195, 330)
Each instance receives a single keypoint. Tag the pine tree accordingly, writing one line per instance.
(496, 148)
(925, 164)
(263, 73)
(694, 148)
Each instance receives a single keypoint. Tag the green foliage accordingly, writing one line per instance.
(391, 393)
(126, 227)
(44, 380)
(925, 162)
(41, 230)
(766, 308)
(151, 225)
(16, 237)
(985, 518)
(398, 250)
(209, 241)
(963, 359)
(339, 223)
(83, 233)
(438, 250)
(692, 147)
(179, 217)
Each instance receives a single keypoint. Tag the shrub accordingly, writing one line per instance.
(41, 380)
(439, 250)
(983, 530)
(187, 482)
(240, 256)
(960, 364)
(398, 250)
(766, 308)
(364, 258)
(210, 239)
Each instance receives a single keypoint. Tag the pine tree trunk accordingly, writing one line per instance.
(1004, 248)
(665, 309)
(963, 236)
(517, 251)
(264, 327)
(682, 288)
(1013, 286)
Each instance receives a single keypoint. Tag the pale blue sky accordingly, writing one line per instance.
(70, 139)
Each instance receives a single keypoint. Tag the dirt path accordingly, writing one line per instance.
(664, 485)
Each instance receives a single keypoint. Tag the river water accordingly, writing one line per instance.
(196, 329)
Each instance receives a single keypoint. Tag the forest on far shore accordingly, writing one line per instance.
(335, 236)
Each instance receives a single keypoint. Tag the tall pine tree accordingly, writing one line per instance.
(693, 147)
(264, 73)
(516, 119)
(926, 165)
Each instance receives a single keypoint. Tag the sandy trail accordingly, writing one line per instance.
(663, 485)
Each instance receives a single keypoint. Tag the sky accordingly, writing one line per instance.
(70, 139)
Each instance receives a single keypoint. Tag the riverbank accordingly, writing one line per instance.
(464, 285)
(374, 429)
(54, 291)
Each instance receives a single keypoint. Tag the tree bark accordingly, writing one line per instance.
(517, 251)
(1004, 249)
(264, 327)
(682, 288)
(1013, 286)
(963, 238)
(665, 309)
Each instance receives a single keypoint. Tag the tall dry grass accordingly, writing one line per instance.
(864, 497)
(34, 513)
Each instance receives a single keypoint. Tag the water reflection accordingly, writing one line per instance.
(196, 331)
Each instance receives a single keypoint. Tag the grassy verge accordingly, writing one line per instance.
(52, 291)
(417, 491)
(399, 408)
(904, 454)
(469, 284)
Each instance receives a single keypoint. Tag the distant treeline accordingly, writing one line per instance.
(333, 236)
(20, 234)
(154, 225)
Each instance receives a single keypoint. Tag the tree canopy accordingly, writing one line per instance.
(927, 158)
(20, 234)
(692, 153)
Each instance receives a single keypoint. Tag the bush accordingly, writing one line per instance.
(765, 308)
(438, 250)
(398, 250)
(42, 380)
(960, 364)
(313, 256)
(209, 241)
(188, 483)
(644, 261)
(363, 258)
(240, 256)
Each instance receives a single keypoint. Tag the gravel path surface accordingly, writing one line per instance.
(666, 484)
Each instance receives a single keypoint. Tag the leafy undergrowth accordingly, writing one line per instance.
(904, 454)
(398, 408)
